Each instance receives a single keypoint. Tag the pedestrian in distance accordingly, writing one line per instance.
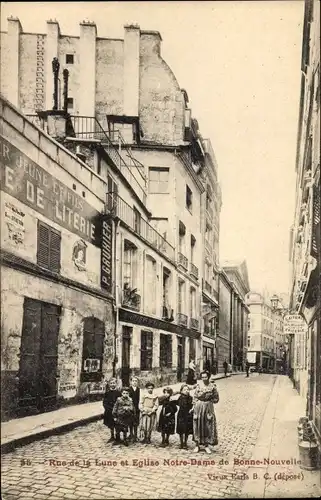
(247, 368)
(204, 420)
(225, 367)
(166, 422)
(148, 408)
(124, 415)
(191, 377)
(134, 393)
(184, 425)
(110, 397)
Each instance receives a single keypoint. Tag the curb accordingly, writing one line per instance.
(61, 429)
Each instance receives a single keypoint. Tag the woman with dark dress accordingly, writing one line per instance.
(110, 397)
(184, 425)
(204, 420)
(134, 393)
(166, 423)
(191, 378)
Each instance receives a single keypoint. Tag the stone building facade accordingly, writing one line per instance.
(130, 121)
(233, 316)
(57, 321)
(305, 234)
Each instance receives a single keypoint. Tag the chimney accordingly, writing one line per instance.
(52, 41)
(13, 61)
(131, 69)
(87, 69)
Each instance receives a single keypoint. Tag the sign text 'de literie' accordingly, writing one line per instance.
(35, 187)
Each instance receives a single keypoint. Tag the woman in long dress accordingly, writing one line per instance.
(204, 420)
(191, 373)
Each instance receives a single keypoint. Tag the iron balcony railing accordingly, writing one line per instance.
(194, 323)
(118, 207)
(87, 127)
(182, 260)
(194, 270)
(182, 319)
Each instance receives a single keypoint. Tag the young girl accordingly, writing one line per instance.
(110, 398)
(134, 393)
(166, 423)
(124, 415)
(185, 415)
(148, 408)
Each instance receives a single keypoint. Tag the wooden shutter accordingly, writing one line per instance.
(55, 244)
(43, 245)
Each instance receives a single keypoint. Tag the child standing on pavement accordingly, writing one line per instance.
(185, 415)
(148, 408)
(134, 393)
(124, 415)
(109, 400)
(166, 423)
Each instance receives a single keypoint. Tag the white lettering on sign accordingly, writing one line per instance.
(106, 255)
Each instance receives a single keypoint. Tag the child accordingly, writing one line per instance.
(185, 415)
(124, 414)
(148, 407)
(134, 393)
(166, 424)
(110, 398)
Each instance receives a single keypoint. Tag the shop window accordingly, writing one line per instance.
(165, 351)
(146, 351)
(93, 350)
(48, 247)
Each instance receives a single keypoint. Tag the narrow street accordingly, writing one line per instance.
(48, 469)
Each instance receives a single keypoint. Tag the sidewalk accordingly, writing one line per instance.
(21, 431)
(278, 440)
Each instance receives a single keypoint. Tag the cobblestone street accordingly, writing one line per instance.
(36, 470)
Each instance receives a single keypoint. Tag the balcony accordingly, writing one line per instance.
(194, 323)
(194, 271)
(130, 298)
(88, 129)
(118, 208)
(182, 261)
(182, 319)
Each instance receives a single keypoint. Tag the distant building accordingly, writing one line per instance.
(305, 234)
(267, 343)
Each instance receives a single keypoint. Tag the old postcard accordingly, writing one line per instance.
(160, 250)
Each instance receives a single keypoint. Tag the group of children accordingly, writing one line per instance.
(126, 412)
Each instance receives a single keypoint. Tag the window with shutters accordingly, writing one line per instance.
(48, 247)
(93, 350)
(165, 351)
(146, 350)
(112, 193)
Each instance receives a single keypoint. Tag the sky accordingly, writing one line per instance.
(239, 62)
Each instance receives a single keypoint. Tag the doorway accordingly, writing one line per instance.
(38, 355)
(125, 365)
(180, 358)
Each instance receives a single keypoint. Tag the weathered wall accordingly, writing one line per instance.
(109, 77)
(162, 104)
(224, 324)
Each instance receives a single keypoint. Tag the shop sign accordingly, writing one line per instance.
(294, 324)
(35, 187)
(106, 280)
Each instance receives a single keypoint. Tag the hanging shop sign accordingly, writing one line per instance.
(106, 280)
(294, 324)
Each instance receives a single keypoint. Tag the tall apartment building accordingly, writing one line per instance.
(305, 233)
(130, 121)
